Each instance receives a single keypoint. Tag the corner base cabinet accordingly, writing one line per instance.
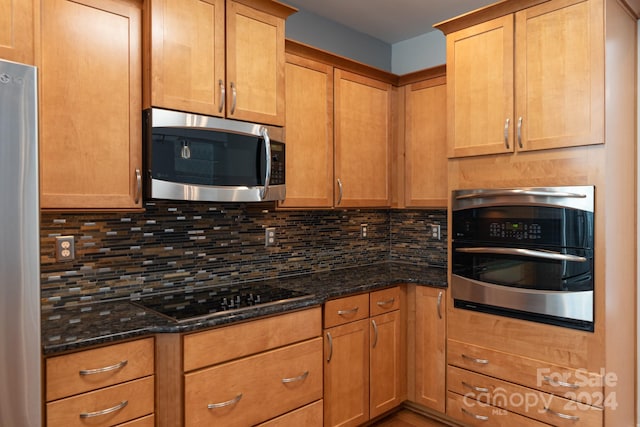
(364, 357)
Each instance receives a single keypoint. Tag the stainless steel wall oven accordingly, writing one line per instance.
(525, 253)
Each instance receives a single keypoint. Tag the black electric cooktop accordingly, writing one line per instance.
(200, 304)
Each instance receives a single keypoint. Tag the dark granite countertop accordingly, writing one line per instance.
(76, 327)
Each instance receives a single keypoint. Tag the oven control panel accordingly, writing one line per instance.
(515, 230)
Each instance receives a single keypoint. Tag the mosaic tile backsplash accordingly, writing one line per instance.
(178, 245)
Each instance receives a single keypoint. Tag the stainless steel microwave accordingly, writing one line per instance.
(202, 158)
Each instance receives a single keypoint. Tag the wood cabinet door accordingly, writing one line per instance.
(16, 31)
(309, 126)
(560, 75)
(426, 144)
(255, 65)
(430, 362)
(362, 140)
(346, 374)
(90, 102)
(480, 89)
(187, 55)
(386, 363)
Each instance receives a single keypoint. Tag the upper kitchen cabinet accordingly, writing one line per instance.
(528, 80)
(425, 141)
(309, 126)
(362, 140)
(16, 31)
(89, 56)
(199, 65)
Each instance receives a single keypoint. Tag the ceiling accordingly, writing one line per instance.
(389, 20)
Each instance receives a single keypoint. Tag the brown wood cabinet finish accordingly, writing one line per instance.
(365, 357)
(256, 388)
(558, 100)
(430, 344)
(133, 399)
(309, 127)
(128, 360)
(190, 33)
(103, 386)
(90, 63)
(610, 167)
(346, 374)
(425, 144)
(231, 55)
(16, 31)
(362, 140)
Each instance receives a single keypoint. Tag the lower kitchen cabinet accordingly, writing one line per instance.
(364, 357)
(104, 386)
(430, 342)
(511, 371)
(267, 370)
(256, 388)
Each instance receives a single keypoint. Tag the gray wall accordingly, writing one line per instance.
(424, 51)
(314, 30)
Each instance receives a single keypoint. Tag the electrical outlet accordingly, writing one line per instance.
(435, 231)
(270, 236)
(65, 248)
(363, 230)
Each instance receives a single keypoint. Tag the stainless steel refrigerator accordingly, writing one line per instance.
(20, 354)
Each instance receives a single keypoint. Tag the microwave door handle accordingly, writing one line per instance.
(267, 153)
(518, 192)
(556, 256)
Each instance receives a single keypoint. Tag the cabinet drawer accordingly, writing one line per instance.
(522, 400)
(473, 413)
(254, 389)
(345, 310)
(92, 369)
(148, 421)
(308, 416)
(384, 301)
(137, 394)
(521, 370)
(211, 347)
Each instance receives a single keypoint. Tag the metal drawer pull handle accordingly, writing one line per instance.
(227, 403)
(339, 192)
(295, 379)
(345, 312)
(560, 383)
(477, 417)
(561, 415)
(506, 133)
(375, 333)
(223, 94)
(118, 365)
(138, 186)
(439, 305)
(475, 360)
(234, 95)
(330, 346)
(475, 388)
(104, 411)
(520, 132)
(387, 302)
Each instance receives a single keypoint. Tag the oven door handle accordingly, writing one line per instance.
(520, 192)
(556, 256)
